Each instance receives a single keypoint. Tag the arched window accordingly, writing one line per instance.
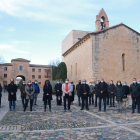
(123, 62)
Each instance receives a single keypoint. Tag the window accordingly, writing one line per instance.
(5, 68)
(71, 70)
(39, 83)
(33, 76)
(33, 70)
(76, 69)
(79, 39)
(39, 70)
(39, 76)
(5, 75)
(123, 62)
(20, 67)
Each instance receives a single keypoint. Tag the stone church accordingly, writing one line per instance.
(110, 52)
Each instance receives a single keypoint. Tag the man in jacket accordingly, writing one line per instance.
(125, 96)
(58, 89)
(78, 89)
(91, 94)
(111, 89)
(23, 93)
(135, 94)
(102, 93)
(96, 92)
(37, 91)
(12, 89)
(84, 94)
(73, 90)
(0, 94)
(67, 89)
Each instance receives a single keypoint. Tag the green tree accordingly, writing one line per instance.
(54, 73)
(62, 71)
(20, 83)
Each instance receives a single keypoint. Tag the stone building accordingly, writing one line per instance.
(22, 68)
(110, 52)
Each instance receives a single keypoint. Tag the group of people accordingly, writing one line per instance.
(102, 91)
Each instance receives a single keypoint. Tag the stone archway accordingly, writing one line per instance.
(19, 78)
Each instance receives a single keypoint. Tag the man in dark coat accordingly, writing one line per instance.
(84, 94)
(96, 92)
(23, 93)
(78, 89)
(125, 96)
(102, 93)
(58, 89)
(73, 90)
(111, 89)
(12, 89)
(135, 94)
(0, 94)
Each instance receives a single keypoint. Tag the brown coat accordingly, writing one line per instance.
(22, 88)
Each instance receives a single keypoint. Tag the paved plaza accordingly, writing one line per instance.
(75, 125)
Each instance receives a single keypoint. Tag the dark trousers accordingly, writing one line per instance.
(96, 100)
(137, 100)
(45, 104)
(59, 97)
(107, 99)
(68, 98)
(100, 101)
(112, 98)
(91, 98)
(83, 100)
(31, 104)
(79, 100)
(23, 100)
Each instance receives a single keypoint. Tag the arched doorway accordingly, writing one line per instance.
(19, 78)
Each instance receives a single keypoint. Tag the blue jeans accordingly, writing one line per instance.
(91, 98)
(111, 100)
(133, 104)
(100, 100)
(79, 100)
(10, 104)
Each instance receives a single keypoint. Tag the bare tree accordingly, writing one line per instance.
(48, 73)
(54, 62)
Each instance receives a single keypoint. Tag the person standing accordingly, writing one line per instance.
(119, 92)
(67, 89)
(58, 89)
(78, 89)
(73, 90)
(47, 96)
(91, 94)
(135, 94)
(111, 89)
(29, 89)
(102, 93)
(84, 94)
(0, 94)
(5, 88)
(37, 91)
(125, 96)
(96, 92)
(23, 93)
(107, 94)
(12, 89)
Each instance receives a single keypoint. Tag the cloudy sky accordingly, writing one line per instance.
(34, 29)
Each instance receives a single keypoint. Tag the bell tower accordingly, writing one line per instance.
(101, 20)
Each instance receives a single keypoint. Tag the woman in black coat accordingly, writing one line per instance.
(12, 89)
(111, 89)
(47, 96)
(0, 94)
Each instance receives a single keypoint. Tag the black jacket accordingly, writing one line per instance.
(102, 87)
(135, 90)
(96, 90)
(47, 89)
(78, 89)
(0, 90)
(84, 88)
(58, 87)
(111, 88)
(126, 89)
(12, 88)
(119, 92)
